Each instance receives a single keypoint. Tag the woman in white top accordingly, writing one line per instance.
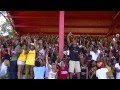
(52, 70)
(46, 70)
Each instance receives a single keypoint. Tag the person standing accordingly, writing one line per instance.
(102, 72)
(39, 69)
(92, 70)
(21, 62)
(13, 63)
(63, 71)
(30, 62)
(95, 53)
(4, 73)
(74, 62)
(117, 67)
(52, 70)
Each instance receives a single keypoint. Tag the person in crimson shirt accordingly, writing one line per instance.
(63, 71)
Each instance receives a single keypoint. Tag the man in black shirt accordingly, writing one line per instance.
(74, 62)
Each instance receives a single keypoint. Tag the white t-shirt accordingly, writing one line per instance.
(102, 73)
(67, 52)
(94, 55)
(3, 69)
(52, 75)
(47, 71)
(117, 73)
(42, 51)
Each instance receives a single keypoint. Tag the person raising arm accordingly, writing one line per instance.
(74, 62)
(52, 70)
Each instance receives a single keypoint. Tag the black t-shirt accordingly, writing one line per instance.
(54, 58)
(6, 56)
(74, 53)
(37, 63)
(83, 72)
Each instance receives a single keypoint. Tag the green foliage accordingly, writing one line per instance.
(6, 26)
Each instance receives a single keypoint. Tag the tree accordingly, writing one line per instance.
(6, 27)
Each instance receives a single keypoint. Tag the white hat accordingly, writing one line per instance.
(32, 44)
(117, 35)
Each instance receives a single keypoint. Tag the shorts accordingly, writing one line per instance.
(74, 65)
(20, 62)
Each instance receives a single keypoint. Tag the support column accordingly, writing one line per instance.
(61, 33)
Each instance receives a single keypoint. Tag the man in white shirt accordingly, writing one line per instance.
(117, 66)
(102, 72)
(4, 68)
(95, 53)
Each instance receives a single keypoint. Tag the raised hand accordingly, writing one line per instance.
(70, 34)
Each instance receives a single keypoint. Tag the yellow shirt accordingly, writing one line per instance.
(110, 72)
(31, 58)
(22, 56)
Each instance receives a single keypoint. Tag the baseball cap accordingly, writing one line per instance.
(100, 64)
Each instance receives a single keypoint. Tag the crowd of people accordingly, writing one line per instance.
(37, 57)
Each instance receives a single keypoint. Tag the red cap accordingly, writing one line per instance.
(100, 64)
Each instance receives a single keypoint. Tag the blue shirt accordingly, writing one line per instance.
(39, 72)
(74, 53)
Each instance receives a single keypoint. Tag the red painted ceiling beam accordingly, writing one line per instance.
(35, 13)
(52, 26)
(69, 18)
(35, 26)
(35, 17)
(115, 22)
(76, 33)
(66, 17)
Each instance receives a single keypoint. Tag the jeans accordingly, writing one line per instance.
(13, 69)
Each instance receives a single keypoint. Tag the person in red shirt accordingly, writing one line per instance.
(63, 71)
